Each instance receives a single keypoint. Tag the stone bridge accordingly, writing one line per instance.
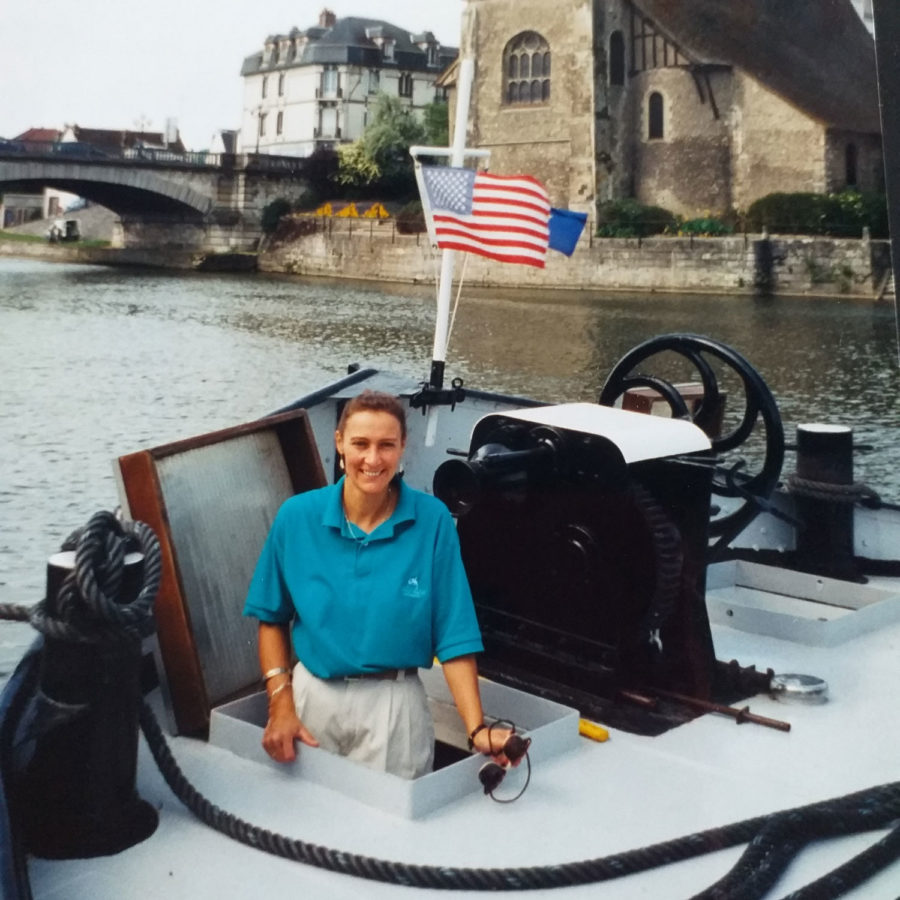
(187, 201)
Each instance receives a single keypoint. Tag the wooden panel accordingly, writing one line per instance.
(211, 500)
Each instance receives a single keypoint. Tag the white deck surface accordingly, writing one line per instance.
(597, 800)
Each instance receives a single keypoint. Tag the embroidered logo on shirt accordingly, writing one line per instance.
(412, 589)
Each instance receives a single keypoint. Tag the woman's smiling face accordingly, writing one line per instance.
(371, 445)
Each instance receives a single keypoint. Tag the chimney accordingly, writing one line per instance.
(327, 18)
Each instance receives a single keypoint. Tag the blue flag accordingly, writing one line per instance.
(565, 229)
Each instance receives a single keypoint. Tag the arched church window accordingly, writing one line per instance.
(526, 64)
(655, 116)
(616, 58)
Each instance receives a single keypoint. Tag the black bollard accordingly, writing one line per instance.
(77, 797)
(825, 542)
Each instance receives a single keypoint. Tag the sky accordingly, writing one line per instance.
(122, 64)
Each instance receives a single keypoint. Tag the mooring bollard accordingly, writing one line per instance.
(77, 796)
(825, 500)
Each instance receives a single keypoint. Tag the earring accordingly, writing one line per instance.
(341, 462)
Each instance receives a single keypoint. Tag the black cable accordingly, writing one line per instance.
(865, 810)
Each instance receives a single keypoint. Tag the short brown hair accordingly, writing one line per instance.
(374, 401)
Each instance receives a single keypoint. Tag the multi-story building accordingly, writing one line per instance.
(313, 88)
(700, 106)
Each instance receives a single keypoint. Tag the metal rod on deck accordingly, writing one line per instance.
(739, 714)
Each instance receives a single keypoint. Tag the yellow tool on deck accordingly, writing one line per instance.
(592, 730)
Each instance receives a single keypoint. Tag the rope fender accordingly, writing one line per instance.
(870, 809)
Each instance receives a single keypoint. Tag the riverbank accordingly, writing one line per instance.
(167, 258)
(738, 264)
(374, 251)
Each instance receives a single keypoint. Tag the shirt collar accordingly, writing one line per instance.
(404, 511)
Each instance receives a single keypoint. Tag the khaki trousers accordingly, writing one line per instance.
(384, 724)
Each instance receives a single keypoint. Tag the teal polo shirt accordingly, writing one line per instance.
(392, 599)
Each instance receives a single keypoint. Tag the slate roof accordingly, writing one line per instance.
(347, 42)
(816, 54)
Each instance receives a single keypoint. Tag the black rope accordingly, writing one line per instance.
(865, 810)
(85, 608)
(853, 872)
(15, 612)
(772, 841)
(858, 492)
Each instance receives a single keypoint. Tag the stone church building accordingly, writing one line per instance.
(699, 106)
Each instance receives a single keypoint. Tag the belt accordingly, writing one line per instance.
(382, 675)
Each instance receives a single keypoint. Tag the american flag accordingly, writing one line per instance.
(503, 217)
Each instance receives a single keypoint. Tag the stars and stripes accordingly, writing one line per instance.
(502, 217)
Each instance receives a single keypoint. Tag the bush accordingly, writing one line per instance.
(411, 219)
(292, 228)
(272, 213)
(705, 227)
(628, 218)
(837, 215)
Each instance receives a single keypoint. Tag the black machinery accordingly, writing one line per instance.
(585, 533)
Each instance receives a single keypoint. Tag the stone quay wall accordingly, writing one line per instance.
(372, 250)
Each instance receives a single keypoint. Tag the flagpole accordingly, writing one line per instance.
(448, 257)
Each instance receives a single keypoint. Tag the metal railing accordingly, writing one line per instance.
(77, 152)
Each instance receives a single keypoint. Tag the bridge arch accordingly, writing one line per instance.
(126, 190)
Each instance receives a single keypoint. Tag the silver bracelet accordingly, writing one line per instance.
(280, 687)
(278, 670)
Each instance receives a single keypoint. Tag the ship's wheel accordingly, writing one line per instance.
(760, 420)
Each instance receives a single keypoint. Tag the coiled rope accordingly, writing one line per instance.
(85, 609)
(772, 840)
(858, 492)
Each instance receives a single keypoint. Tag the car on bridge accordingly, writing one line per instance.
(79, 150)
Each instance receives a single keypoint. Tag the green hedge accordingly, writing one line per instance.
(628, 218)
(272, 213)
(836, 215)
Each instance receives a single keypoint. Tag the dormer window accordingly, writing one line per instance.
(384, 43)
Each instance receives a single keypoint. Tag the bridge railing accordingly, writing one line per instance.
(77, 151)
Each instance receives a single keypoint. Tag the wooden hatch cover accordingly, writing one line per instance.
(211, 500)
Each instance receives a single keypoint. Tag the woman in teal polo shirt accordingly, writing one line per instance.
(365, 577)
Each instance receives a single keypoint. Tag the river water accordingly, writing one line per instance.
(96, 362)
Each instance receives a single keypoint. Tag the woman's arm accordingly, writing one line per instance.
(461, 675)
(284, 726)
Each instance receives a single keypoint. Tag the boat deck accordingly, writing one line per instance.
(596, 800)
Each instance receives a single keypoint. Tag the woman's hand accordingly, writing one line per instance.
(490, 741)
(284, 728)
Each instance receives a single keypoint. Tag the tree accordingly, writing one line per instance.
(382, 153)
(436, 117)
